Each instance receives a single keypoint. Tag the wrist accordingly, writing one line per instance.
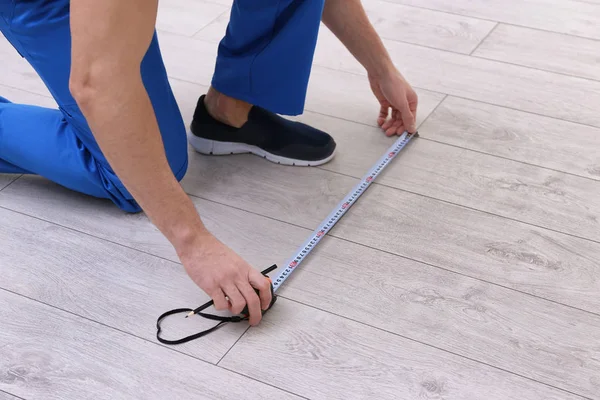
(381, 68)
(189, 235)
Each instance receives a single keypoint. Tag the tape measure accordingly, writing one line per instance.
(303, 251)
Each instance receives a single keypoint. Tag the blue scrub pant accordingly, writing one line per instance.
(265, 59)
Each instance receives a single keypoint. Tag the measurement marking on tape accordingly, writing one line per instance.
(341, 209)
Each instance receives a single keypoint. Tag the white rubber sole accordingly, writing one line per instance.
(216, 148)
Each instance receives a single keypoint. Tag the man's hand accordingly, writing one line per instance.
(348, 20)
(109, 41)
(398, 101)
(221, 273)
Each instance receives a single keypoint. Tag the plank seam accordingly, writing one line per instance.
(228, 10)
(437, 348)
(485, 38)
(13, 395)
(403, 256)
(170, 348)
(493, 20)
(309, 229)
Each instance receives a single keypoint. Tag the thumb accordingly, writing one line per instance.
(408, 118)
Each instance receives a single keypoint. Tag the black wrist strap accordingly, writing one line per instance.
(222, 320)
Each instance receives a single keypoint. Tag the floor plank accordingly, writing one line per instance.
(538, 49)
(398, 22)
(46, 353)
(503, 251)
(543, 341)
(566, 16)
(328, 357)
(478, 321)
(6, 396)
(137, 287)
(24, 97)
(343, 95)
(527, 193)
(538, 140)
(6, 179)
(186, 17)
(546, 93)
(425, 27)
(15, 70)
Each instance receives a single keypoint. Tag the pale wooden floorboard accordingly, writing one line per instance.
(328, 357)
(460, 302)
(425, 27)
(23, 97)
(546, 93)
(6, 179)
(538, 140)
(136, 287)
(440, 308)
(544, 341)
(15, 71)
(566, 16)
(492, 248)
(187, 17)
(6, 396)
(408, 24)
(545, 50)
(50, 354)
(527, 193)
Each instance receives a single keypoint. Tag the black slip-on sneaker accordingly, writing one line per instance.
(265, 134)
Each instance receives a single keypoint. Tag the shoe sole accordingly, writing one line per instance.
(216, 148)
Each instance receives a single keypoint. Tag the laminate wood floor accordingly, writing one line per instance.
(470, 270)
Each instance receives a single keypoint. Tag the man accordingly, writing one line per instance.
(118, 133)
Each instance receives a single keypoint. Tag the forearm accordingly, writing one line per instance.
(121, 116)
(348, 20)
(109, 41)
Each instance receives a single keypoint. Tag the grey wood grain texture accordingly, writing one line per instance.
(6, 179)
(7, 396)
(488, 247)
(131, 289)
(516, 135)
(546, 93)
(523, 334)
(23, 97)
(50, 354)
(343, 95)
(527, 193)
(478, 323)
(477, 316)
(15, 70)
(566, 16)
(425, 27)
(329, 357)
(398, 22)
(187, 17)
(545, 50)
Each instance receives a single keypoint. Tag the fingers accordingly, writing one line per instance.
(253, 303)
(383, 115)
(260, 282)
(235, 298)
(219, 300)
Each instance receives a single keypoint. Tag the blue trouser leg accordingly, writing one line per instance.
(58, 144)
(266, 55)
